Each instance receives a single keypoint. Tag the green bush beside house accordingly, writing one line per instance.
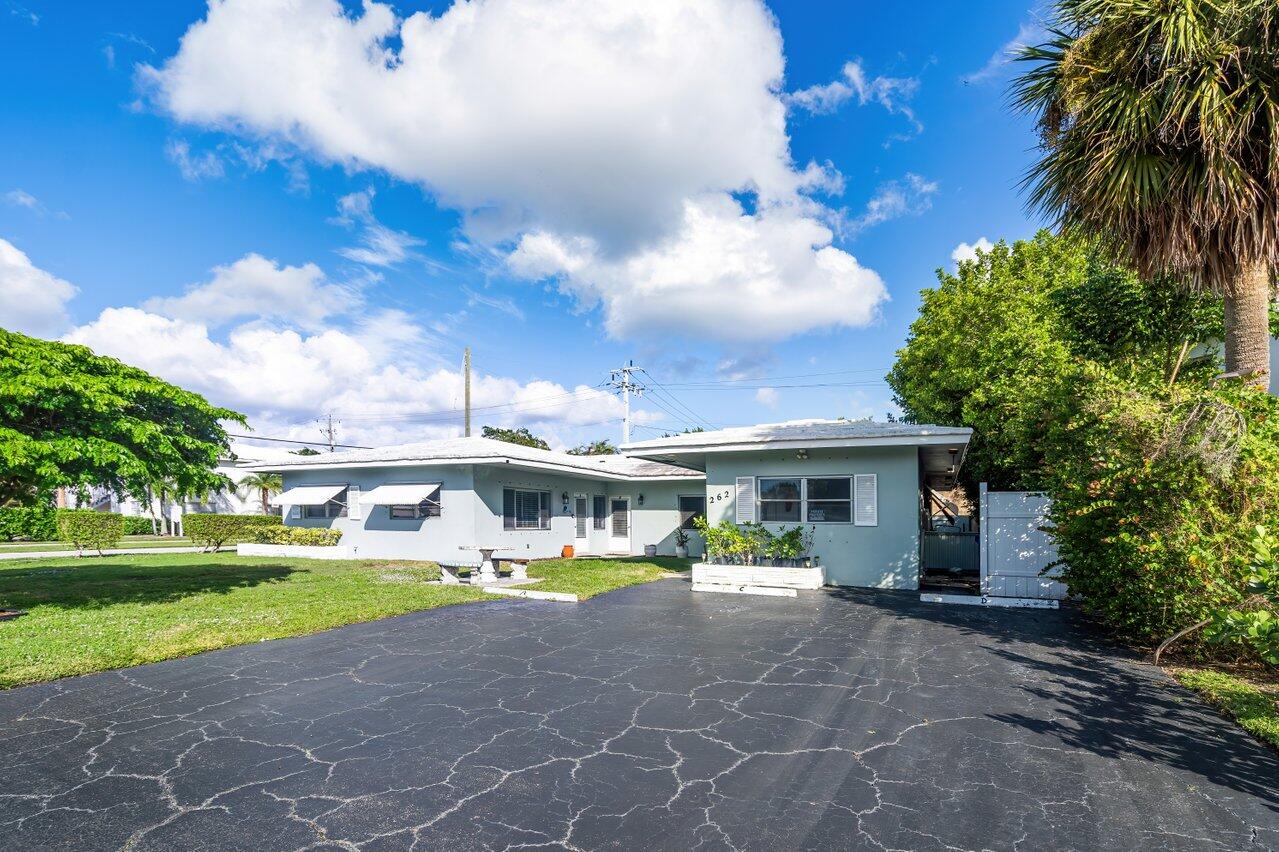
(212, 531)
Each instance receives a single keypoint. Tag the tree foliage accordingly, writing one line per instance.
(1160, 128)
(1000, 329)
(520, 436)
(71, 418)
(602, 447)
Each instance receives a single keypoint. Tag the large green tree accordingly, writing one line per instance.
(602, 447)
(996, 333)
(1160, 138)
(71, 418)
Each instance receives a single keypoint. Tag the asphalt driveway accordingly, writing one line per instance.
(646, 718)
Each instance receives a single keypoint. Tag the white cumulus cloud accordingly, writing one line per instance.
(726, 274)
(894, 94)
(615, 133)
(256, 286)
(968, 251)
(767, 397)
(32, 300)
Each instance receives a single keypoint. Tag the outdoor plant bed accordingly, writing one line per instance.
(763, 576)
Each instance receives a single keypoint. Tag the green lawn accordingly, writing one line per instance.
(93, 614)
(589, 577)
(127, 541)
(1254, 705)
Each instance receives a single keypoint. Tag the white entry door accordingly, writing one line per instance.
(582, 517)
(619, 525)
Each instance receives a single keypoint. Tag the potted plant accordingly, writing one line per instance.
(681, 543)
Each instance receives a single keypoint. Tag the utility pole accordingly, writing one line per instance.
(466, 388)
(621, 379)
(329, 431)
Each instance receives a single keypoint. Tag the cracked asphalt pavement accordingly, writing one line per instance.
(651, 718)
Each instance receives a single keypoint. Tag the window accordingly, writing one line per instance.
(779, 499)
(599, 510)
(829, 500)
(428, 508)
(691, 507)
(335, 508)
(526, 510)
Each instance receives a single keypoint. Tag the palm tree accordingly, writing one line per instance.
(265, 484)
(1160, 136)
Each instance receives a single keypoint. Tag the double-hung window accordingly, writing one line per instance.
(526, 510)
(691, 507)
(818, 500)
(334, 508)
(599, 510)
(781, 499)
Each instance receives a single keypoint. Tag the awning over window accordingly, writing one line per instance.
(403, 495)
(307, 495)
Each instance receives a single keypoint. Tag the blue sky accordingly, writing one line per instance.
(562, 200)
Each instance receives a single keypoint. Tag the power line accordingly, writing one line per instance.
(294, 441)
(774, 378)
(697, 418)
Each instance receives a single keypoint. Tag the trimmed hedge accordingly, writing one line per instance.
(313, 536)
(138, 525)
(212, 531)
(86, 528)
(28, 523)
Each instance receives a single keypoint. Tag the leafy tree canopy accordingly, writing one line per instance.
(520, 436)
(602, 447)
(1019, 317)
(71, 418)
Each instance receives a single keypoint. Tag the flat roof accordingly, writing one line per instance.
(799, 434)
(485, 451)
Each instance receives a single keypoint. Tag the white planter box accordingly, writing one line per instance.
(304, 551)
(705, 573)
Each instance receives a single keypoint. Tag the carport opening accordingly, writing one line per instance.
(949, 547)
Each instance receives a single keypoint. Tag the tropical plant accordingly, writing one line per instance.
(265, 484)
(1159, 123)
(602, 447)
(1254, 621)
(71, 418)
(306, 536)
(521, 436)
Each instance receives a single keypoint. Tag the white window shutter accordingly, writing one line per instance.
(353, 509)
(295, 511)
(745, 509)
(866, 500)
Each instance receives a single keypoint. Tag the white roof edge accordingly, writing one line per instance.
(647, 449)
(484, 460)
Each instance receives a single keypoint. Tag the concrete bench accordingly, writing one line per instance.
(450, 575)
(519, 568)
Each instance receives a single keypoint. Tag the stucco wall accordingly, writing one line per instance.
(471, 513)
(884, 556)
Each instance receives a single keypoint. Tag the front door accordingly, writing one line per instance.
(619, 527)
(582, 517)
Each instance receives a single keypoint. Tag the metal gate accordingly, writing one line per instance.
(1014, 550)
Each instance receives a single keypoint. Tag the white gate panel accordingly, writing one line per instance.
(1014, 550)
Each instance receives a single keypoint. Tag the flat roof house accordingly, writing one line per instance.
(431, 500)
(857, 483)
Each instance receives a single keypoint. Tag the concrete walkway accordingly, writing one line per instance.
(646, 718)
(120, 551)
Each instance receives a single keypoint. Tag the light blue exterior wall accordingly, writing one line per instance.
(885, 556)
(471, 513)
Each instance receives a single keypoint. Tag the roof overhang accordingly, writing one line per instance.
(490, 461)
(695, 454)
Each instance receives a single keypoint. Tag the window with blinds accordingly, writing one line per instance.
(599, 510)
(691, 507)
(526, 510)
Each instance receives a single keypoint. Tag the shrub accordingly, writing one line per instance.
(138, 525)
(312, 536)
(213, 531)
(28, 523)
(1157, 493)
(86, 528)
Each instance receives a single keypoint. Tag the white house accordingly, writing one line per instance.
(857, 484)
(430, 500)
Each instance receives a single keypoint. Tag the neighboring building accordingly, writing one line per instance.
(229, 502)
(858, 484)
(436, 499)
